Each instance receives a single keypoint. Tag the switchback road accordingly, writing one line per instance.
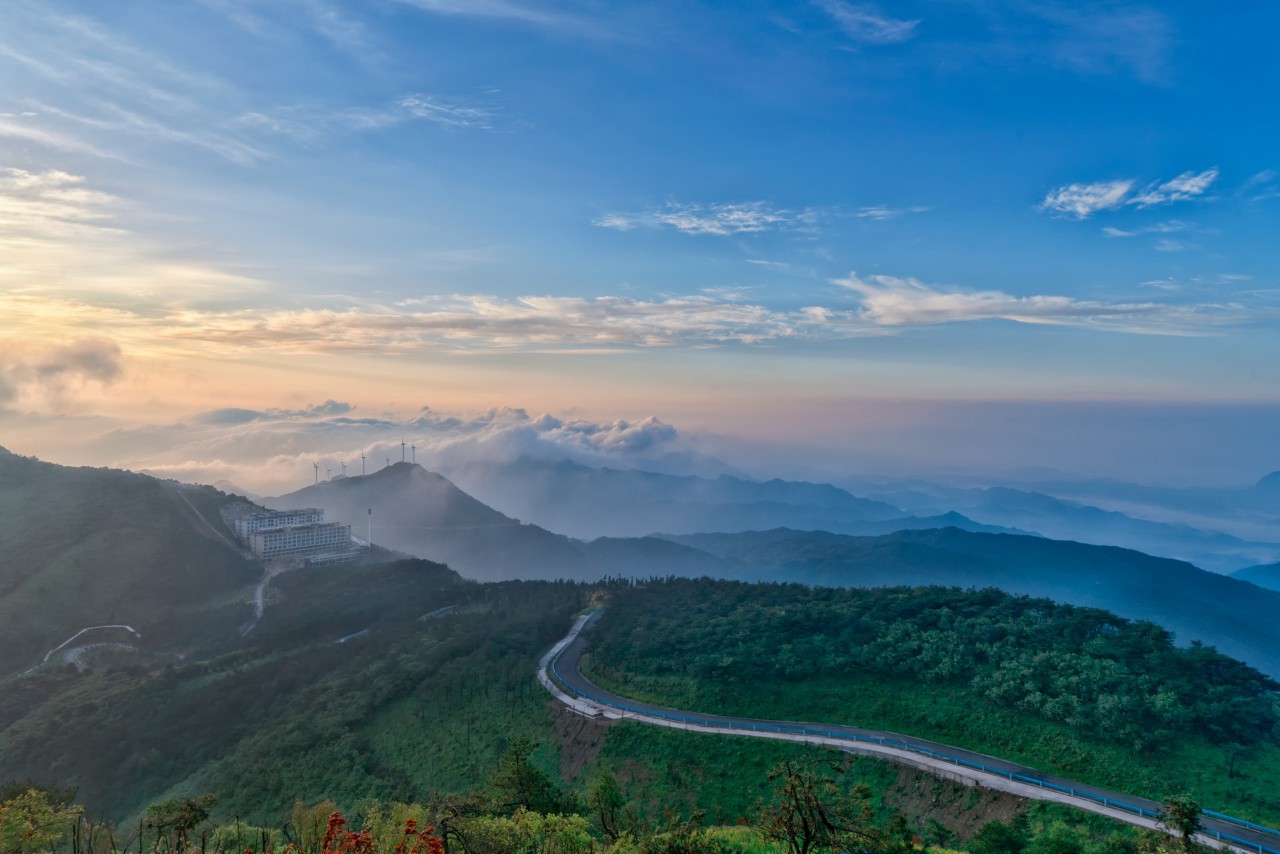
(559, 672)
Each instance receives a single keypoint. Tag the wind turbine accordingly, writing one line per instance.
(344, 469)
(317, 466)
(362, 463)
(414, 450)
(402, 450)
(328, 473)
(388, 462)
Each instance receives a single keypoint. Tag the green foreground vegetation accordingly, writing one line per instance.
(810, 805)
(1073, 691)
(401, 683)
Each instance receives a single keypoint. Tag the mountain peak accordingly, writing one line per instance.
(405, 491)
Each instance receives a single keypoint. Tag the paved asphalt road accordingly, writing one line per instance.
(566, 669)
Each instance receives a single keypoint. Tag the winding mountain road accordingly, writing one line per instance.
(559, 672)
(130, 629)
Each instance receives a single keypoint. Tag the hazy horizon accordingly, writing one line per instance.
(271, 451)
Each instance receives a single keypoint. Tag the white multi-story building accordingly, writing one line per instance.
(269, 520)
(295, 534)
(300, 540)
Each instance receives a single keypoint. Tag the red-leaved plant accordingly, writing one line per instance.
(338, 840)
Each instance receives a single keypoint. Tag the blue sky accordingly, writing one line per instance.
(704, 211)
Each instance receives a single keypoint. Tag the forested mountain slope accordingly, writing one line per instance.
(84, 547)
(1233, 616)
(348, 688)
(1068, 690)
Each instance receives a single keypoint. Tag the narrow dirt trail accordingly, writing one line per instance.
(269, 571)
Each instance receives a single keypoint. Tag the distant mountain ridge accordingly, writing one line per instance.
(424, 514)
(1264, 575)
(586, 502)
(1065, 520)
(1199, 541)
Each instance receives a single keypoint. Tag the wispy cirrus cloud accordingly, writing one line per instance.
(1103, 40)
(113, 117)
(327, 19)
(866, 24)
(51, 204)
(715, 219)
(311, 126)
(1172, 226)
(451, 112)
(63, 244)
(469, 323)
(882, 212)
(898, 302)
(1081, 201)
(1261, 186)
(26, 129)
(547, 15)
(1188, 185)
(104, 94)
(481, 322)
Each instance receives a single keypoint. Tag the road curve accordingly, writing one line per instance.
(559, 672)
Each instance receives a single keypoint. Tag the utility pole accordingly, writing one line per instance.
(370, 527)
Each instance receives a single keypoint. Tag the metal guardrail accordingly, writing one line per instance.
(902, 745)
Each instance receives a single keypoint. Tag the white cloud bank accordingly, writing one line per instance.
(51, 372)
(271, 451)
